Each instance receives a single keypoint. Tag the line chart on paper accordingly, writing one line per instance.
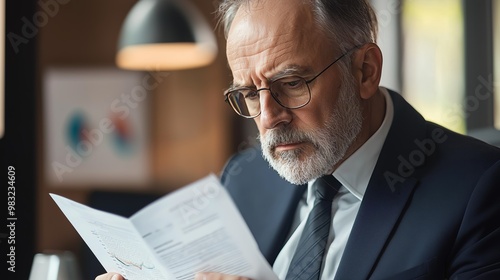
(130, 257)
(130, 263)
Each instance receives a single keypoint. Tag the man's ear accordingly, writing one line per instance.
(367, 69)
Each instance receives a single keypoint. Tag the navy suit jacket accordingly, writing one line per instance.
(431, 209)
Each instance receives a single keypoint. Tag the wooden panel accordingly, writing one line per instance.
(190, 128)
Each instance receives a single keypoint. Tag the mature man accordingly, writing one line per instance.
(411, 199)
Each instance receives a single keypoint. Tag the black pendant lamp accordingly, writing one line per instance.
(162, 35)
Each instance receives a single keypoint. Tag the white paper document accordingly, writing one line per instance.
(194, 229)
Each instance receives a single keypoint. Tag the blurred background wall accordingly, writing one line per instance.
(190, 128)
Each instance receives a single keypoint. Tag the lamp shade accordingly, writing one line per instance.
(165, 35)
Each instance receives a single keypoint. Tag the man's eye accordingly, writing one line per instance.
(250, 95)
(291, 83)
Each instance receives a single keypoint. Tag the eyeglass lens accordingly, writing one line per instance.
(290, 92)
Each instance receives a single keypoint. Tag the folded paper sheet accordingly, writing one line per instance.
(196, 228)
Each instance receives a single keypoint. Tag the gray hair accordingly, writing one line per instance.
(346, 22)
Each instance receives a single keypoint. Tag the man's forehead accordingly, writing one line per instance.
(273, 15)
(265, 35)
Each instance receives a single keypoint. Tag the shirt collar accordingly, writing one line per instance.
(355, 172)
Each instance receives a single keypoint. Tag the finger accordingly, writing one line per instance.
(110, 276)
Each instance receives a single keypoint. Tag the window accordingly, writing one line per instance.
(433, 60)
(446, 53)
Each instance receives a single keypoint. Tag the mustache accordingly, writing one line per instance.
(284, 135)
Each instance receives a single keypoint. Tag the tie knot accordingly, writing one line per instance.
(327, 187)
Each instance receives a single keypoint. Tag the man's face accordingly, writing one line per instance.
(270, 38)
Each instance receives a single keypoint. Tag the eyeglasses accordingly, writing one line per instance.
(291, 92)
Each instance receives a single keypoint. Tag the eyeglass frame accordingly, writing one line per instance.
(229, 91)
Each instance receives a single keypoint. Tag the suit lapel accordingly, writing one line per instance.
(389, 190)
(273, 217)
(376, 219)
(266, 201)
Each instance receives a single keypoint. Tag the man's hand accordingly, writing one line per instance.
(216, 276)
(110, 276)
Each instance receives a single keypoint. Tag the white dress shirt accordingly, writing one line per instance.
(354, 175)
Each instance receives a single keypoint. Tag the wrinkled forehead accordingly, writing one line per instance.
(274, 30)
(270, 19)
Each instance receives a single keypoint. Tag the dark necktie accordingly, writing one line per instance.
(306, 263)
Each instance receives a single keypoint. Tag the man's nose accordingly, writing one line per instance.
(272, 114)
